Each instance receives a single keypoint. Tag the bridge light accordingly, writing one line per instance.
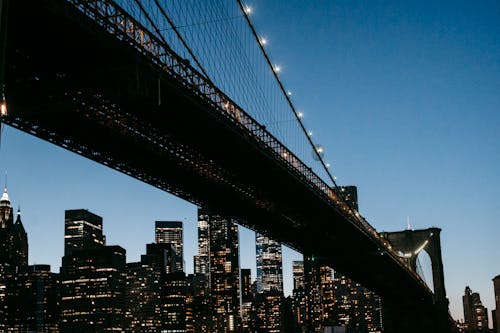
(248, 10)
(277, 68)
(289, 93)
(300, 115)
(3, 107)
(327, 165)
(263, 41)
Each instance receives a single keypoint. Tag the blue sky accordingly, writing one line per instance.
(404, 96)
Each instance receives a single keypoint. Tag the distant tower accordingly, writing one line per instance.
(13, 265)
(171, 232)
(269, 264)
(475, 314)
(82, 231)
(496, 287)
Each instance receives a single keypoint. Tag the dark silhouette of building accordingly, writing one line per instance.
(13, 267)
(43, 299)
(496, 315)
(475, 314)
(82, 230)
(198, 305)
(171, 232)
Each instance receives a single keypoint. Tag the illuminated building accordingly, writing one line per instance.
(475, 314)
(320, 293)
(269, 264)
(155, 292)
(82, 230)
(298, 274)
(202, 260)
(496, 314)
(92, 278)
(246, 298)
(356, 307)
(13, 266)
(223, 273)
(266, 312)
(198, 309)
(171, 232)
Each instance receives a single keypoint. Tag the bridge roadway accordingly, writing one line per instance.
(106, 89)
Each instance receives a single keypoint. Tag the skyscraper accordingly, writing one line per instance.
(298, 274)
(92, 277)
(202, 260)
(475, 314)
(496, 287)
(13, 265)
(82, 230)
(93, 290)
(269, 264)
(223, 269)
(171, 232)
(246, 298)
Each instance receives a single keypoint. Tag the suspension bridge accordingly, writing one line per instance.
(182, 95)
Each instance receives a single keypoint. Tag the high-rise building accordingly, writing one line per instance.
(320, 291)
(475, 314)
(298, 274)
(269, 264)
(93, 290)
(42, 297)
(171, 232)
(198, 305)
(356, 307)
(93, 277)
(223, 272)
(202, 260)
(246, 298)
(154, 303)
(13, 266)
(82, 231)
(496, 316)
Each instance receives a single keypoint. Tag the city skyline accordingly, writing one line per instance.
(41, 176)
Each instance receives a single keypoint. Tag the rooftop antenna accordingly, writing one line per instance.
(408, 226)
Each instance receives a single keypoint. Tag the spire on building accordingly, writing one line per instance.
(5, 201)
(18, 218)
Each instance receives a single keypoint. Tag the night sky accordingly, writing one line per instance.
(403, 95)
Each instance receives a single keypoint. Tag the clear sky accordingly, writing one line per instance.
(404, 96)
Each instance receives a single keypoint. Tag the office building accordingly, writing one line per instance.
(269, 264)
(171, 232)
(13, 266)
(82, 231)
(475, 314)
(202, 260)
(223, 272)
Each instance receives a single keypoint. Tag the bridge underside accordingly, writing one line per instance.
(70, 82)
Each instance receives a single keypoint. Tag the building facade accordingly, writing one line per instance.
(171, 232)
(496, 315)
(475, 314)
(82, 230)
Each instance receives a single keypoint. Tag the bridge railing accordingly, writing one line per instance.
(118, 22)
